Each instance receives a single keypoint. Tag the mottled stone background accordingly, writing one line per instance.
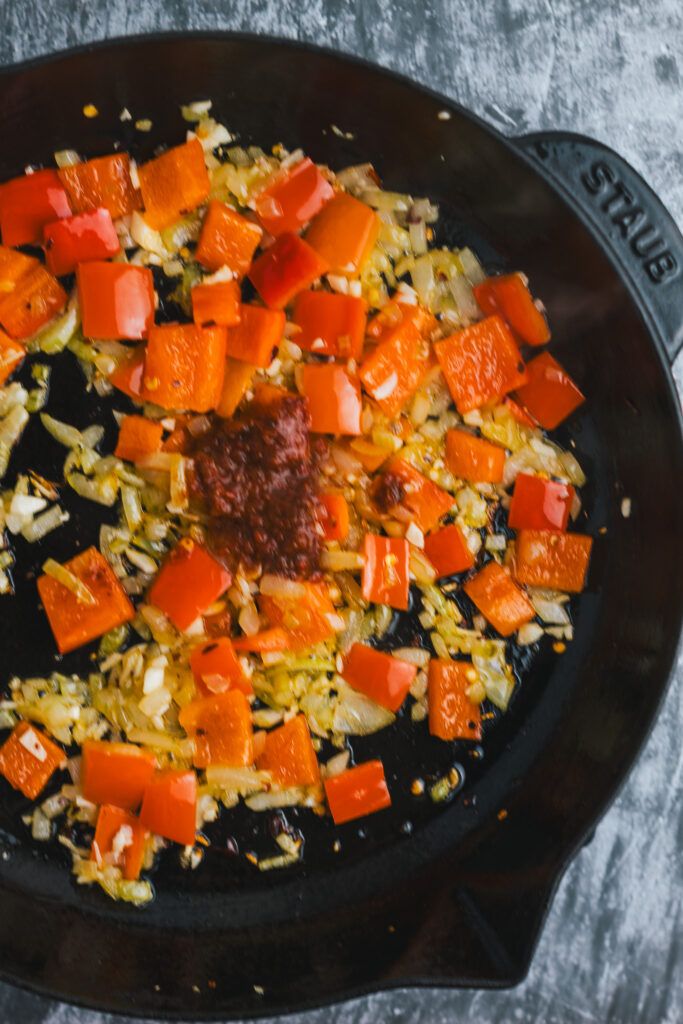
(612, 948)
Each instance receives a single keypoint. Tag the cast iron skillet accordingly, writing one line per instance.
(458, 896)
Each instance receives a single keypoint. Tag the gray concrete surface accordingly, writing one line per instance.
(612, 948)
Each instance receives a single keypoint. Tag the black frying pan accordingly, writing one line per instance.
(417, 895)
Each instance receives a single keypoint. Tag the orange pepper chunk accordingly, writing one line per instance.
(396, 312)
(227, 239)
(116, 827)
(221, 728)
(184, 366)
(28, 759)
(104, 181)
(392, 373)
(216, 668)
(539, 504)
(344, 233)
(268, 640)
(255, 338)
(480, 362)
(308, 618)
(473, 458)
(29, 294)
(29, 202)
(288, 754)
(499, 599)
(12, 354)
(550, 394)
(128, 375)
(334, 516)
(173, 184)
(452, 715)
(331, 324)
(117, 299)
(189, 582)
(544, 558)
(357, 791)
(386, 578)
(380, 676)
(216, 303)
(75, 622)
(115, 773)
(448, 552)
(419, 499)
(169, 806)
(236, 380)
(334, 398)
(292, 198)
(509, 296)
(285, 269)
(138, 437)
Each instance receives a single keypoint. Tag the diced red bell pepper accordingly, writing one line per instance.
(12, 355)
(128, 375)
(79, 239)
(117, 300)
(288, 754)
(499, 599)
(308, 618)
(334, 516)
(386, 578)
(115, 773)
(357, 791)
(452, 715)
(344, 233)
(539, 504)
(550, 394)
(221, 728)
(216, 668)
(509, 296)
(419, 499)
(174, 184)
(331, 324)
(397, 312)
(227, 239)
(448, 552)
(114, 826)
(138, 437)
(394, 370)
(257, 335)
(216, 303)
(169, 806)
(28, 759)
(267, 641)
(472, 458)
(285, 269)
(334, 398)
(379, 675)
(29, 294)
(184, 366)
(236, 380)
(104, 181)
(75, 622)
(29, 202)
(189, 582)
(480, 362)
(293, 198)
(544, 558)
(517, 412)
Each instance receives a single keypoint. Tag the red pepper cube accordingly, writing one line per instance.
(288, 754)
(293, 198)
(386, 578)
(357, 792)
(138, 437)
(472, 458)
(255, 338)
(227, 240)
(29, 202)
(184, 366)
(169, 806)
(480, 363)
(380, 676)
(308, 618)
(174, 184)
(452, 715)
(119, 841)
(344, 233)
(189, 582)
(544, 558)
(12, 355)
(104, 181)
(128, 375)
(216, 303)
(30, 295)
(420, 500)
(75, 622)
(509, 296)
(115, 773)
(79, 239)
(448, 552)
(28, 759)
(550, 395)
(285, 269)
(395, 314)
(334, 516)
(396, 367)
(334, 399)
(221, 728)
(330, 324)
(216, 668)
(539, 504)
(499, 599)
(117, 300)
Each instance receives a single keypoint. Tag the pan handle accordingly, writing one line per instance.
(631, 220)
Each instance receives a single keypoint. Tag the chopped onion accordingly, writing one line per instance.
(72, 583)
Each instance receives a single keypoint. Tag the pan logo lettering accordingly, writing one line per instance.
(621, 205)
